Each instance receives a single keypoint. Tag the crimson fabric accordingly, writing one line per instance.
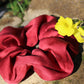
(52, 60)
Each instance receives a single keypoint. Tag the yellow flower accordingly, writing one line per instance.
(64, 26)
(79, 35)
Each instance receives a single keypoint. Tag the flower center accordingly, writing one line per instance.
(66, 25)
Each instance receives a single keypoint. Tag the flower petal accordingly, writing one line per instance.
(79, 37)
(81, 31)
(76, 24)
(69, 21)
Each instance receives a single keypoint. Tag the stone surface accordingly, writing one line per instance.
(33, 79)
(31, 14)
(9, 20)
(70, 8)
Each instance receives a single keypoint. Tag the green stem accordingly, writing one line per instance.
(20, 7)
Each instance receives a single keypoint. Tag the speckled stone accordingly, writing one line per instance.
(70, 8)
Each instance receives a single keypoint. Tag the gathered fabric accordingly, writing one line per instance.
(36, 47)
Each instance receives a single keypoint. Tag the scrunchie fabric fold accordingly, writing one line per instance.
(51, 60)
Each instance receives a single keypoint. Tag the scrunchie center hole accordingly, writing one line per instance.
(37, 46)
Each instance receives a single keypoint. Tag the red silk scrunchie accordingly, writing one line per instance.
(52, 60)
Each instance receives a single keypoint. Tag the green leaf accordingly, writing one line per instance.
(8, 5)
(20, 7)
(14, 13)
(19, 0)
(15, 4)
(17, 7)
(20, 15)
(27, 2)
(82, 27)
(23, 6)
(75, 20)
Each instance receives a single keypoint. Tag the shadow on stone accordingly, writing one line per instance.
(55, 17)
(29, 73)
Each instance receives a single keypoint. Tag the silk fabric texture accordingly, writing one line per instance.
(52, 60)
